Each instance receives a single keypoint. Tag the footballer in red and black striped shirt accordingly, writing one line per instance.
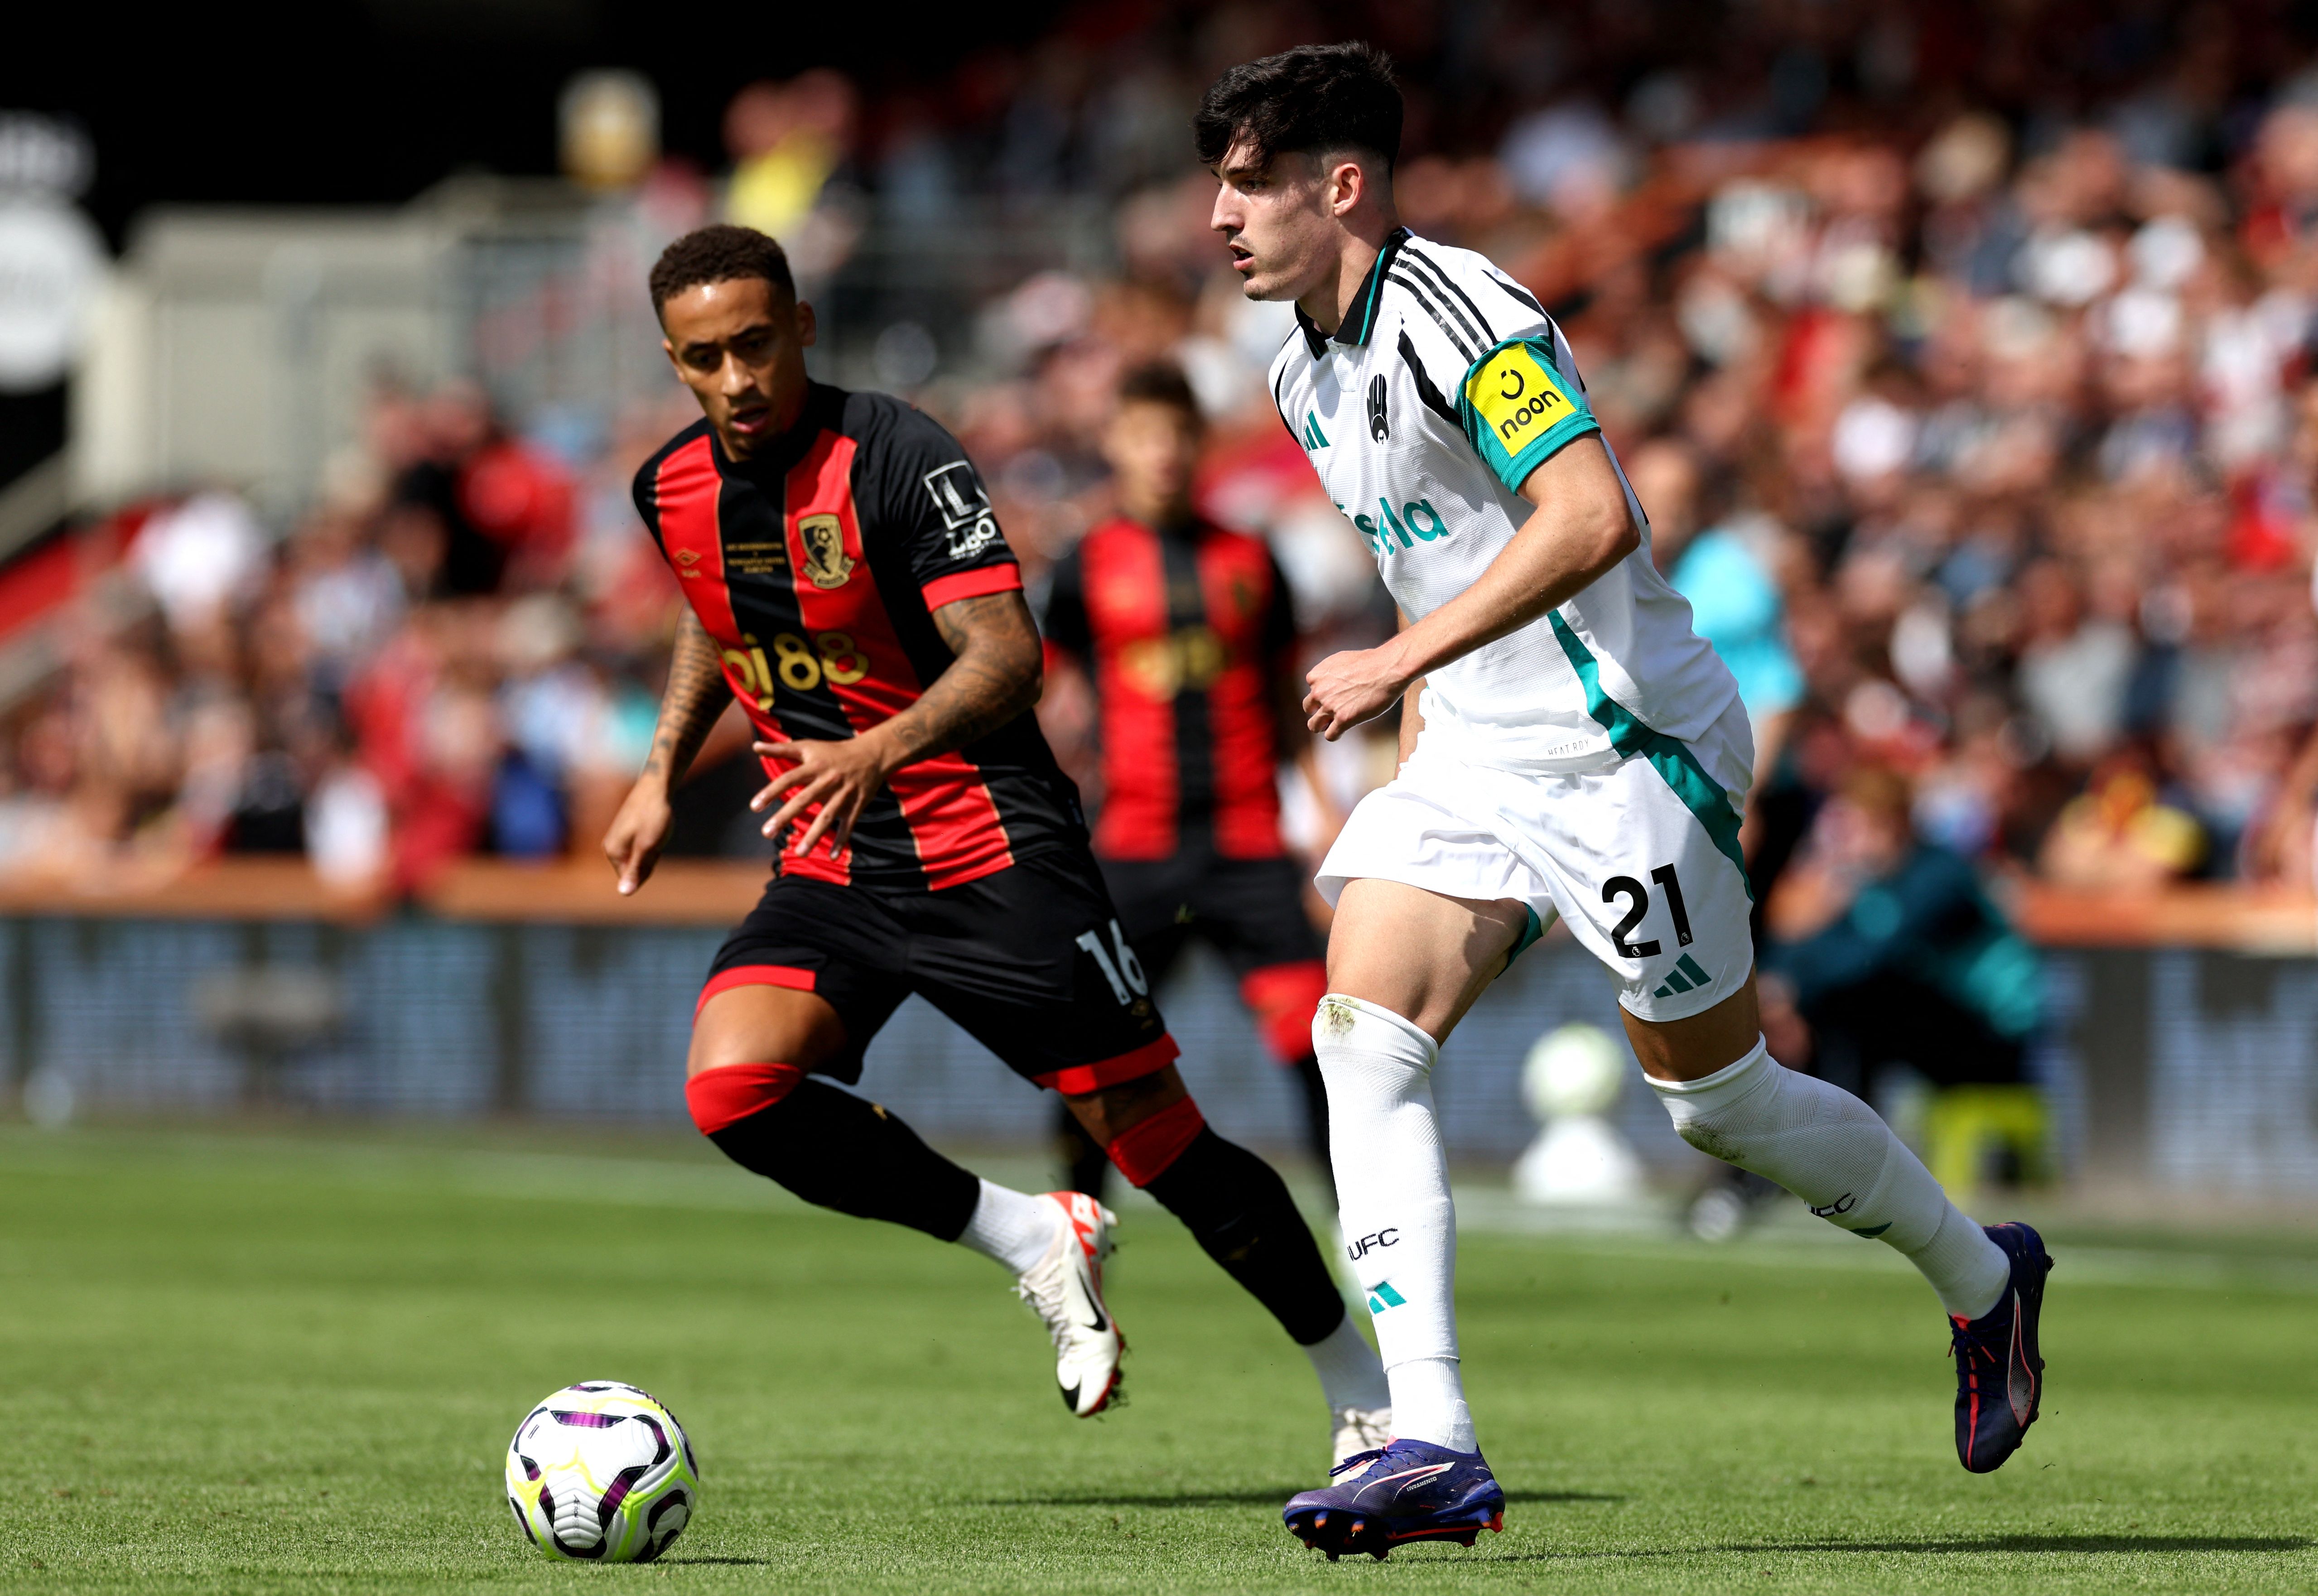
(816, 566)
(1187, 631)
(847, 582)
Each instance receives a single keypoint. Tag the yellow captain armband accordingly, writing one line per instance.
(1517, 411)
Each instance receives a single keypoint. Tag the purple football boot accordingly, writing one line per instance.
(1409, 1491)
(1999, 1373)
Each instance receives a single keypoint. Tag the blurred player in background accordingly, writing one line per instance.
(1188, 635)
(847, 582)
(1569, 747)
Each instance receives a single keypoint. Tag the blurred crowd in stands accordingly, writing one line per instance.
(451, 652)
(1960, 355)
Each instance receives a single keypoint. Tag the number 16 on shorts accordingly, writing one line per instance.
(1118, 965)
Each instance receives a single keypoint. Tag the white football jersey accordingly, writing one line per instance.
(1445, 387)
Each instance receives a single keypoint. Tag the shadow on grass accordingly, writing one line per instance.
(1274, 1497)
(1950, 1545)
(721, 1562)
(2050, 1543)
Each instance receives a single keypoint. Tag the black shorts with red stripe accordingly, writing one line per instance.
(1030, 961)
(1249, 911)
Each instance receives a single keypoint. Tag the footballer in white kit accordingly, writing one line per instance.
(1593, 763)
(1569, 746)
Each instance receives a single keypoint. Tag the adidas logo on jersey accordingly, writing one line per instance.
(1314, 438)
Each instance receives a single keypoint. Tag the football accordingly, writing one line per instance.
(600, 1472)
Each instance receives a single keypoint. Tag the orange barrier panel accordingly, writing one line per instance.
(240, 889)
(681, 893)
(2269, 921)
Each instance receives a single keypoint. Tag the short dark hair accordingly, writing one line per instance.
(1314, 98)
(719, 252)
(1161, 382)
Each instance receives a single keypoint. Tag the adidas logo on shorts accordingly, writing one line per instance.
(1683, 977)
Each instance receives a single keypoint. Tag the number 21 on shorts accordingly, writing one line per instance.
(1127, 982)
(1638, 905)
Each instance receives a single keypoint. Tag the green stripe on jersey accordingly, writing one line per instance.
(1670, 757)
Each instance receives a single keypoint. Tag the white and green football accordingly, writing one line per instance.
(601, 1473)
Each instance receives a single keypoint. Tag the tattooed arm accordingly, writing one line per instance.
(697, 694)
(995, 676)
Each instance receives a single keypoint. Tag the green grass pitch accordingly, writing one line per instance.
(291, 1363)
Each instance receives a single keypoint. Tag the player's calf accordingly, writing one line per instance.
(1836, 1153)
(1239, 1209)
(840, 1151)
(1399, 1223)
(831, 1148)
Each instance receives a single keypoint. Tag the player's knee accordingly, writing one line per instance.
(742, 1018)
(1148, 1148)
(1368, 1050)
(728, 1094)
(1105, 1110)
(1284, 999)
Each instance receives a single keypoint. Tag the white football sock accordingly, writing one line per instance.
(1350, 1376)
(1434, 1386)
(1012, 1227)
(1392, 1195)
(1836, 1153)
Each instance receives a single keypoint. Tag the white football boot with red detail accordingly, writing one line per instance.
(1065, 1290)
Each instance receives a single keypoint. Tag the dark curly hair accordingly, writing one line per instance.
(1160, 382)
(719, 252)
(1314, 98)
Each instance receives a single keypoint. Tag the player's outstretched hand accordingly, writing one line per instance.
(638, 832)
(841, 777)
(1347, 689)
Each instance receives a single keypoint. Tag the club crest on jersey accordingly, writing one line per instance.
(826, 562)
(1380, 428)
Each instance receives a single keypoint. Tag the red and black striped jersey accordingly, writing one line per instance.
(816, 567)
(1185, 632)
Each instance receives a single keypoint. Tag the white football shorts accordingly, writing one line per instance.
(1641, 857)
